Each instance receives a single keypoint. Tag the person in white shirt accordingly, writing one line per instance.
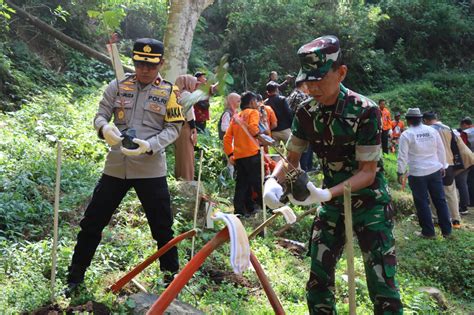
(422, 151)
(452, 146)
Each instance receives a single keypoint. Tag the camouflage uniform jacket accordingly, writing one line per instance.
(153, 111)
(342, 135)
(295, 99)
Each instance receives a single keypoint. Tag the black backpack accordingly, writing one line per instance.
(458, 163)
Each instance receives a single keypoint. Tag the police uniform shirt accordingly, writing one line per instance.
(154, 112)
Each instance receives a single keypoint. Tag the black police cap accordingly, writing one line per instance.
(148, 50)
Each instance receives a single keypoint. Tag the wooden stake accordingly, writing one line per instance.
(197, 202)
(116, 62)
(263, 226)
(262, 172)
(298, 219)
(139, 286)
(56, 220)
(349, 247)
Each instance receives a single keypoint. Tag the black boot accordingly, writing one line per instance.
(168, 278)
(74, 279)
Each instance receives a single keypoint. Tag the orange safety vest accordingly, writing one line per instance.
(386, 119)
(397, 128)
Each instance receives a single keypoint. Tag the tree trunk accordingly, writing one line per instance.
(182, 20)
(71, 42)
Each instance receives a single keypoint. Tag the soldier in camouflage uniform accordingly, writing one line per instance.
(345, 130)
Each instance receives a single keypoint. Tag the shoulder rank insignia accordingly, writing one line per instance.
(160, 92)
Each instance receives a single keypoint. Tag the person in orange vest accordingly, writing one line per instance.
(386, 125)
(397, 128)
(242, 148)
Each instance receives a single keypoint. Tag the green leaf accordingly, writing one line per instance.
(113, 18)
(93, 14)
(229, 79)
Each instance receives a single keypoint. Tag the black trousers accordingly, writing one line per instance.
(109, 192)
(385, 141)
(470, 185)
(248, 180)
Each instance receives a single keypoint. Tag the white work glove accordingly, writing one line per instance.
(272, 192)
(390, 132)
(111, 134)
(144, 146)
(315, 195)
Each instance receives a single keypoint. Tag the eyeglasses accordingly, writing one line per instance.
(147, 65)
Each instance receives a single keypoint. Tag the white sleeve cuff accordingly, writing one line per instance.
(368, 153)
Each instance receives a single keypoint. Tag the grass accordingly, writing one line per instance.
(27, 183)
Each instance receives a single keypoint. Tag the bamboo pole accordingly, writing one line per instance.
(139, 286)
(262, 173)
(298, 219)
(197, 203)
(56, 220)
(349, 247)
(263, 226)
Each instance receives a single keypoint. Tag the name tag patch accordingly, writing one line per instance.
(128, 95)
(157, 99)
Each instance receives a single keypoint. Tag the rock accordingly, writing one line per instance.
(144, 301)
(437, 295)
(186, 190)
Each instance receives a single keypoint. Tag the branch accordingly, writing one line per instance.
(71, 42)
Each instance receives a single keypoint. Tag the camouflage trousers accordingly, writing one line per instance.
(373, 228)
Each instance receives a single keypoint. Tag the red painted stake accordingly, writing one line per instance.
(274, 301)
(139, 268)
(185, 275)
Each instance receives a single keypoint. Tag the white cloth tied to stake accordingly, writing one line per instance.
(239, 242)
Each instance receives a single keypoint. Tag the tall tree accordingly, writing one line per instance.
(182, 19)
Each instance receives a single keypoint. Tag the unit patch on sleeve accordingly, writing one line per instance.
(174, 111)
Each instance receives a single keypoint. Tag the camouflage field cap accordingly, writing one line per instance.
(148, 50)
(317, 57)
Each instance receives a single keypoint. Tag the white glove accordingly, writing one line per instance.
(390, 132)
(315, 195)
(272, 192)
(143, 146)
(111, 135)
